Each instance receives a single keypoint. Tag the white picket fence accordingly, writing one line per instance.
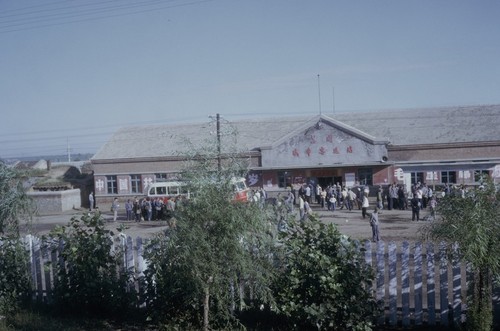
(417, 284)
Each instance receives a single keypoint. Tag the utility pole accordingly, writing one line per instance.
(218, 144)
(69, 150)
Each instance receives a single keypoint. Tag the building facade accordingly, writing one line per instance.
(456, 145)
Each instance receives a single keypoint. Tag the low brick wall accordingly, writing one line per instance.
(56, 201)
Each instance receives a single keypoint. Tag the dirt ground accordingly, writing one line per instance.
(395, 225)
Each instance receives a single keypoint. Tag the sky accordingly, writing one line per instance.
(75, 71)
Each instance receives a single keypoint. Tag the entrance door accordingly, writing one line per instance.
(325, 181)
(337, 179)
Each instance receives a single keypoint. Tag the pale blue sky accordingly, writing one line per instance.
(74, 71)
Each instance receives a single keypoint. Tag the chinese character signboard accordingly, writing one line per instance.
(323, 145)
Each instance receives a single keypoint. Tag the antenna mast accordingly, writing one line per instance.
(333, 96)
(319, 96)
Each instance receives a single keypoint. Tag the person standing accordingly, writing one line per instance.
(351, 199)
(307, 210)
(308, 193)
(91, 201)
(415, 208)
(364, 205)
(128, 208)
(137, 210)
(171, 207)
(380, 203)
(301, 207)
(290, 201)
(114, 209)
(374, 225)
(149, 209)
(322, 197)
(394, 196)
(433, 205)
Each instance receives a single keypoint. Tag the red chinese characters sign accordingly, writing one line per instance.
(325, 149)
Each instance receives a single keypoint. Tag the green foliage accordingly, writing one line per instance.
(30, 320)
(473, 222)
(14, 275)
(216, 246)
(90, 279)
(324, 282)
(198, 269)
(15, 205)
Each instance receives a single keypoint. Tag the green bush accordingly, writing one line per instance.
(195, 269)
(90, 278)
(14, 275)
(324, 282)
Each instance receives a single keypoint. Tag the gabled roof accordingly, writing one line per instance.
(319, 120)
(399, 127)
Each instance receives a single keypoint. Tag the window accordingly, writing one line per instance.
(481, 175)
(135, 181)
(161, 177)
(284, 179)
(365, 176)
(417, 177)
(111, 185)
(448, 177)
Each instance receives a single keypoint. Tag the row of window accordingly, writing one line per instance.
(136, 186)
(450, 177)
(364, 176)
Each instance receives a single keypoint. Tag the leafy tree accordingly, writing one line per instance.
(324, 282)
(90, 278)
(15, 206)
(197, 269)
(473, 221)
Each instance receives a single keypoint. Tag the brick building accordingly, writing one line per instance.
(437, 146)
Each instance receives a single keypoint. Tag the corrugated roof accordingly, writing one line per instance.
(400, 127)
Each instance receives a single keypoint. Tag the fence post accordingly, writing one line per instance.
(393, 283)
(431, 290)
(443, 288)
(418, 284)
(37, 269)
(380, 279)
(47, 272)
(405, 283)
(457, 287)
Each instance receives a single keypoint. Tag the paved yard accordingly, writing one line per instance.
(395, 225)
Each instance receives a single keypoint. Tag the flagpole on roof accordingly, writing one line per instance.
(319, 96)
(333, 97)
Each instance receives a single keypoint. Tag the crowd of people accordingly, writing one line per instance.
(333, 197)
(147, 209)
(338, 197)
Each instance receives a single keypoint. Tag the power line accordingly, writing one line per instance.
(39, 23)
(70, 14)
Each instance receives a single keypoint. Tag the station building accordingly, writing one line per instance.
(452, 145)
